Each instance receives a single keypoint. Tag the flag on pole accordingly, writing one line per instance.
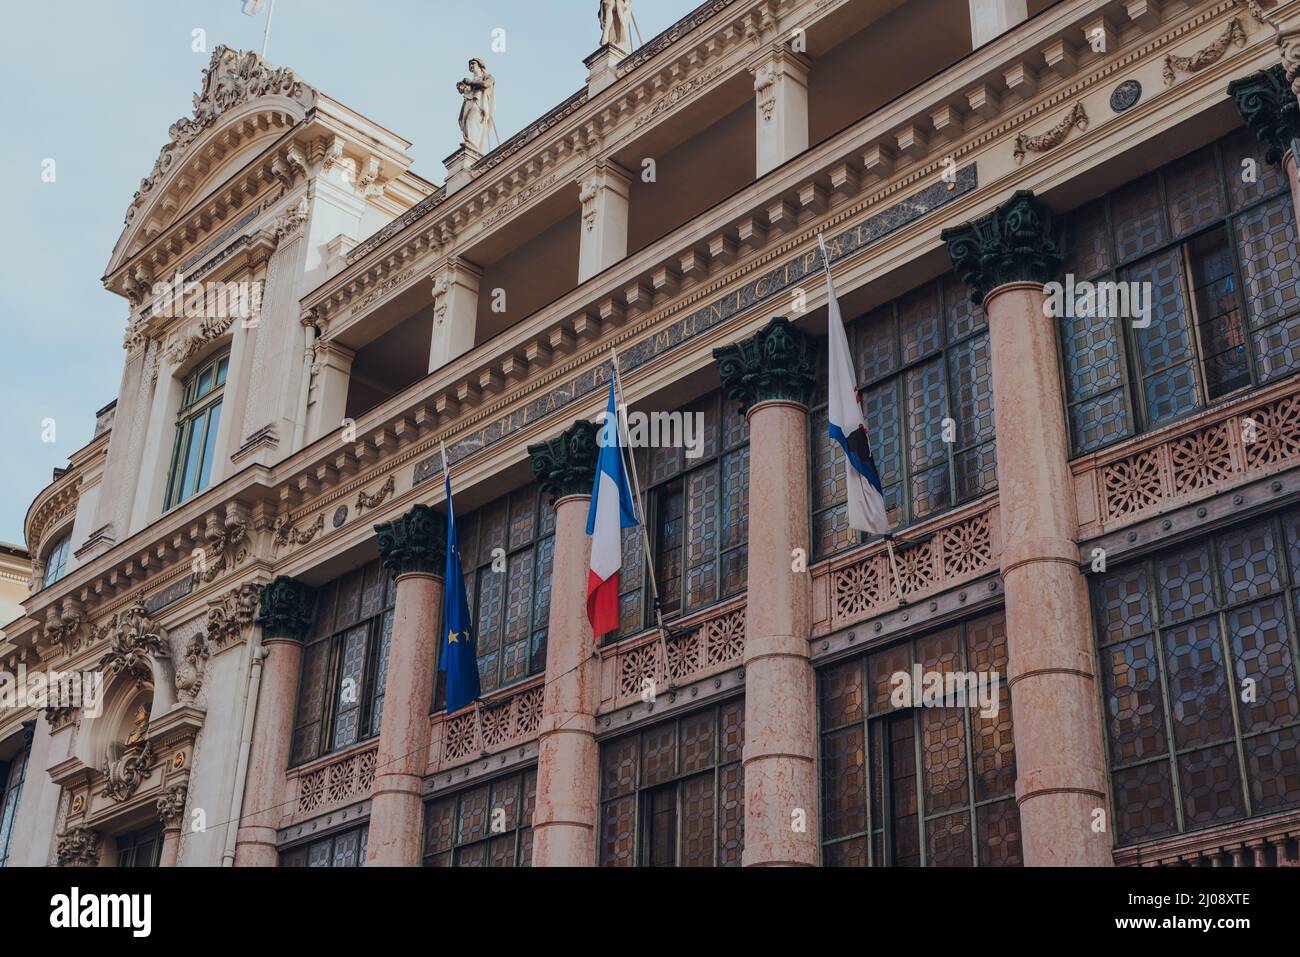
(252, 8)
(458, 660)
(611, 511)
(847, 427)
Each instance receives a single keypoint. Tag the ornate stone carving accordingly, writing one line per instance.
(289, 224)
(136, 642)
(566, 464)
(171, 806)
(1206, 55)
(1013, 243)
(184, 343)
(587, 193)
(375, 498)
(228, 616)
(124, 773)
(1125, 96)
(286, 533)
(1269, 107)
(232, 78)
(135, 336)
(66, 626)
(191, 667)
(416, 542)
(479, 93)
(765, 89)
(774, 363)
(1077, 117)
(226, 549)
(78, 847)
(59, 718)
(285, 609)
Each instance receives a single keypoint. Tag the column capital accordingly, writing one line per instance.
(414, 543)
(566, 464)
(1013, 243)
(1269, 108)
(774, 363)
(285, 609)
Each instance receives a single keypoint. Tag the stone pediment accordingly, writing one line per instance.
(240, 94)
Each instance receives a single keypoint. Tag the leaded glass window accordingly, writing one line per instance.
(1197, 650)
(342, 849)
(673, 794)
(1218, 250)
(926, 388)
(194, 451)
(490, 825)
(142, 848)
(344, 661)
(506, 549)
(918, 786)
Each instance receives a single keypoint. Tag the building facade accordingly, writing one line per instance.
(1063, 238)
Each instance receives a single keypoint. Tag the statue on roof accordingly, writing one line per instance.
(479, 92)
(616, 23)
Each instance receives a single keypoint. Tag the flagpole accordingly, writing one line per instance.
(625, 449)
(266, 31)
(888, 536)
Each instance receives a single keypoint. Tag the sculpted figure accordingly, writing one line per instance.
(479, 93)
(616, 23)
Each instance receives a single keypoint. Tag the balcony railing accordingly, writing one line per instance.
(1269, 842)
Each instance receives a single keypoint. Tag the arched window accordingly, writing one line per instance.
(196, 430)
(56, 561)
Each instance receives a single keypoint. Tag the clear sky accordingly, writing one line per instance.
(94, 85)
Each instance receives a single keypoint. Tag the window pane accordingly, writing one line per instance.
(1222, 332)
(209, 447)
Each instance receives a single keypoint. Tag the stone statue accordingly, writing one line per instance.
(139, 727)
(479, 92)
(616, 23)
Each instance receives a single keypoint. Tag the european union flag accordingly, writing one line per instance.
(458, 660)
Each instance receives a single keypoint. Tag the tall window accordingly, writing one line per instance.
(12, 775)
(56, 562)
(1219, 254)
(506, 550)
(673, 795)
(142, 848)
(918, 786)
(344, 849)
(487, 826)
(1197, 649)
(344, 663)
(926, 390)
(196, 430)
(697, 512)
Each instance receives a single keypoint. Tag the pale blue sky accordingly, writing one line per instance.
(94, 85)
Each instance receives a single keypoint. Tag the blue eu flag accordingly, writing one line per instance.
(458, 660)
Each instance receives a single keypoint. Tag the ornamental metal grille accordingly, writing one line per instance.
(920, 359)
(490, 825)
(918, 786)
(1214, 234)
(1198, 656)
(673, 795)
(344, 664)
(506, 548)
(343, 849)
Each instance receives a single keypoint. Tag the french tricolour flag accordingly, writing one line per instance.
(847, 427)
(611, 511)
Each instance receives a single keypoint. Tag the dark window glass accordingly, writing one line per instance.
(142, 848)
(489, 825)
(56, 561)
(12, 775)
(344, 849)
(196, 430)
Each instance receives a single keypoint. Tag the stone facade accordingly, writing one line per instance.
(1096, 506)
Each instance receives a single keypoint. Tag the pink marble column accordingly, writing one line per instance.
(412, 547)
(284, 616)
(771, 373)
(1292, 178)
(171, 846)
(568, 761)
(1061, 777)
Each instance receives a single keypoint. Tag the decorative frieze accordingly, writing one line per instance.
(171, 806)
(1014, 243)
(136, 643)
(287, 533)
(776, 363)
(376, 498)
(78, 847)
(231, 613)
(190, 668)
(566, 464)
(1077, 118)
(285, 609)
(1269, 107)
(497, 725)
(1234, 33)
(414, 543)
(345, 779)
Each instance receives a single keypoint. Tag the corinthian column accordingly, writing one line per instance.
(414, 551)
(568, 760)
(771, 374)
(284, 613)
(1006, 257)
(1269, 107)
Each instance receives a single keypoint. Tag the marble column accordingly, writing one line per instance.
(771, 374)
(568, 762)
(780, 107)
(603, 192)
(284, 614)
(1006, 257)
(414, 552)
(991, 18)
(1270, 108)
(455, 310)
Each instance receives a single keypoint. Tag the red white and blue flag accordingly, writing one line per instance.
(611, 511)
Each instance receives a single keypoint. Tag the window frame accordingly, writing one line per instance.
(61, 547)
(129, 846)
(525, 780)
(11, 796)
(195, 408)
(300, 855)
